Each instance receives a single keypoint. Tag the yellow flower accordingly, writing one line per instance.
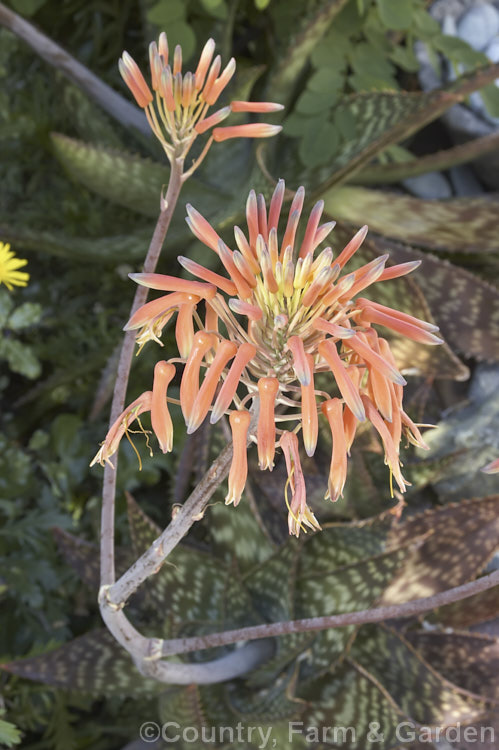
(9, 265)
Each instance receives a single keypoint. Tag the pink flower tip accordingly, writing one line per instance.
(253, 130)
(492, 468)
(257, 107)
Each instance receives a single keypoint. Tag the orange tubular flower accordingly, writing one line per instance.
(177, 105)
(161, 421)
(239, 422)
(333, 411)
(267, 389)
(283, 312)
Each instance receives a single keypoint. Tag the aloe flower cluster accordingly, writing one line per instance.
(283, 313)
(177, 111)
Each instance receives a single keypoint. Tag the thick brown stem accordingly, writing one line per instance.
(109, 487)
(361, 617)
(192, 510)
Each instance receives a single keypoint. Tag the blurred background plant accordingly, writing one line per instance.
(77, 197)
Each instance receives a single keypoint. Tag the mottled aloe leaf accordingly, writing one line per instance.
(339, 545)
(266, 705)
(114, 249)
(301, 44)
(234, 705)
(461, 539)
(380, 119)
(412, 357)
(272, 584)
(183, 706)
(379, 174)
(407, 295)
(237, 534)
(420, 691)
(131, 181)
(467, 225)
(460, 446)
(341, 589)
(363, 494)
(432, 470)
(475, 609)
(469, 660)
(93, 663)
(190, 587)
(288, 648)
(142, 529)
(464, 306)
(88, 119)
(353, 709)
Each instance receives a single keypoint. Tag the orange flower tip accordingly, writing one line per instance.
(201, 229)
(253, 130)
(309, 447)
(164, 283)
(492, 468)
(347, 282)
(215, 119)
(141, 278)
(245, 308)
(339, 332)
(256, 107)
(359, 413)
(163, 46)
(135, 81)
(401, 269)
(216, 415)
(300, 364)
(322, 232)
(433, 340)
(127, 62)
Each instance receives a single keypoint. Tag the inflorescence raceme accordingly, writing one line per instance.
(282, 314)
(177, 107)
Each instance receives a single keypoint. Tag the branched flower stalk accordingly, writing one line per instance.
(284, 313)
(177, 117)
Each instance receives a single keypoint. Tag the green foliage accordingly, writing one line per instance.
(386, 675)
(9, 734)
(19, 355)
(358, 51)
